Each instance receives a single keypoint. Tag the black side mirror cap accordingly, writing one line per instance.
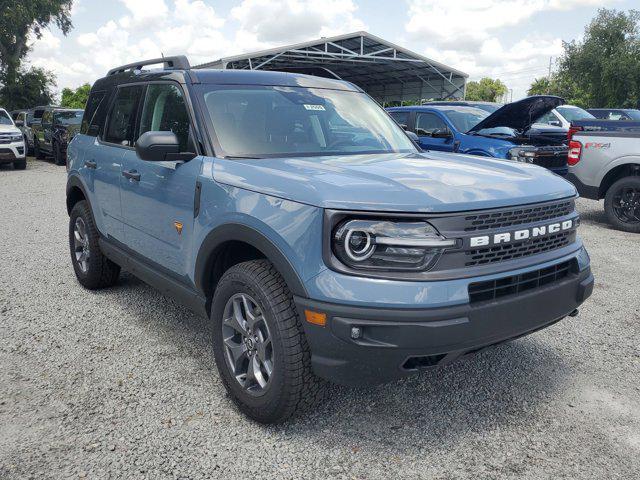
(441, 134)
(161, 146)
(19, 123)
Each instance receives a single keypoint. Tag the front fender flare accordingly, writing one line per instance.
(243, 233)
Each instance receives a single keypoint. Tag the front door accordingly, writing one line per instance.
(431, 131)
(158, 196)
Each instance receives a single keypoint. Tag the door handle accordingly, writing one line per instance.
(90, 164)
(131, 175)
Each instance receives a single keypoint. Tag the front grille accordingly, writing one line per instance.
(499, 253)
(515, 284)
(519, 216)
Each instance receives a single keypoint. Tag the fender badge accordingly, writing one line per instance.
(178, 226)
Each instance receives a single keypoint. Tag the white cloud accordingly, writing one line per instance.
(146, 12)
(271, 22)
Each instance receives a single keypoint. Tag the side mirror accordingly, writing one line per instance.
(412, 136)
(19, 123)
(441, 134)
(555, 123)
(161, 146)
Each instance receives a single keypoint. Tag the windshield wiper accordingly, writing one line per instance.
(241, 157)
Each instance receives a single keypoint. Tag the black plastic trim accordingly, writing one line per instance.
(243, 233)
(155, 275)
(586, 191)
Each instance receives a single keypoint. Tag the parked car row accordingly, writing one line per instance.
(47, 130)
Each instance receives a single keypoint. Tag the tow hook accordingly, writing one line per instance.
(574, 313)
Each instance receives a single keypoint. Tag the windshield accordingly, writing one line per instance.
(5, 119)
(269, 121)
(465, 118)
(69, 118)
(574, 113)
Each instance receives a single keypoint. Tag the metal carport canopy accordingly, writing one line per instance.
(387, 72)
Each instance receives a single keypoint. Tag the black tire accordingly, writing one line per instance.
(100, 272)
(292, 386)
(621, 222)
(20, 164)
(39, 154)
(58, 157)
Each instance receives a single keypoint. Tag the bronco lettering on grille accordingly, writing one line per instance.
(520, 235)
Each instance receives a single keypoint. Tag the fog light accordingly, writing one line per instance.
(356, 332)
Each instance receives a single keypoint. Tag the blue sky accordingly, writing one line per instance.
(512, 40)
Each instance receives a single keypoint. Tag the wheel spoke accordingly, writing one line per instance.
(235, 324)
(256, 374)
(237, 354)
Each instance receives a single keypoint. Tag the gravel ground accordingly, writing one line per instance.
(122, 383)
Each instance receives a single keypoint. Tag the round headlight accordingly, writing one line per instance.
(358, 245)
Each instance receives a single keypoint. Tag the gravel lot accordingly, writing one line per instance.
(122, 383)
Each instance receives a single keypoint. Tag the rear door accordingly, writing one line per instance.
(431, 131)
(158, 196)
(44, 132)
(106, 156)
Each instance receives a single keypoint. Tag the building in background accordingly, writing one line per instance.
(389, 73)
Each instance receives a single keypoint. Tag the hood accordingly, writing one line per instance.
(416, 182)
(520, 115)
(9, 129)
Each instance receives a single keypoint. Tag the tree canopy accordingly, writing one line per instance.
(75, 98)
(487, 89)
(603, 69)
(32, 87)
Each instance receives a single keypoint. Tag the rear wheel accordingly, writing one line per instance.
(622, 204)
(20, 164)
(260, 347)
(92, 268)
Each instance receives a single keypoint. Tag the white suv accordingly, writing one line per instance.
(12, 149)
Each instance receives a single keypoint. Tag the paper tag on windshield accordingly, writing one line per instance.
(314, 107)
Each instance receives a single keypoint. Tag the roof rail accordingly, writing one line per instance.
(179, 62)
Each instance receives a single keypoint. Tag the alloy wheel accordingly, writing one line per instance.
(626, 204)
(81, 244)
(247, 344)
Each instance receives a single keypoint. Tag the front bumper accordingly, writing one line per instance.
(396, 342)
(10, 152)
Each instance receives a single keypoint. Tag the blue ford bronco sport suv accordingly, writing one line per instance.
(300, 218)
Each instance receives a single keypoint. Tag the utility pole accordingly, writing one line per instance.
(549, 77)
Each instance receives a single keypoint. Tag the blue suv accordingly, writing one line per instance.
(300, 218)
(509, 131)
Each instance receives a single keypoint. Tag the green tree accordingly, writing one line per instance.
(487, 89)
(19, 19)
(603, 69)
(32, 87)
(75, 98)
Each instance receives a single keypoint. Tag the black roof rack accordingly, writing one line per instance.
(179, 62)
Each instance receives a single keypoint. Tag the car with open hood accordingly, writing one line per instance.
(510, 132)
(303, 222)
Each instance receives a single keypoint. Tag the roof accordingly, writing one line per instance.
(386, 71)
(265, 77)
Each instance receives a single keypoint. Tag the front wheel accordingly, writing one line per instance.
(622, 204)
(58, 156)
(92, 268)
(259, 344)
(39, 154)
(20, 164)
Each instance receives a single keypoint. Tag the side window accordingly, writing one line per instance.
(615, 115)
(89, 125)
(427, 123)
(46, 117)
(547, 118)
(165, 111)
(401, 118)
(122, 119)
